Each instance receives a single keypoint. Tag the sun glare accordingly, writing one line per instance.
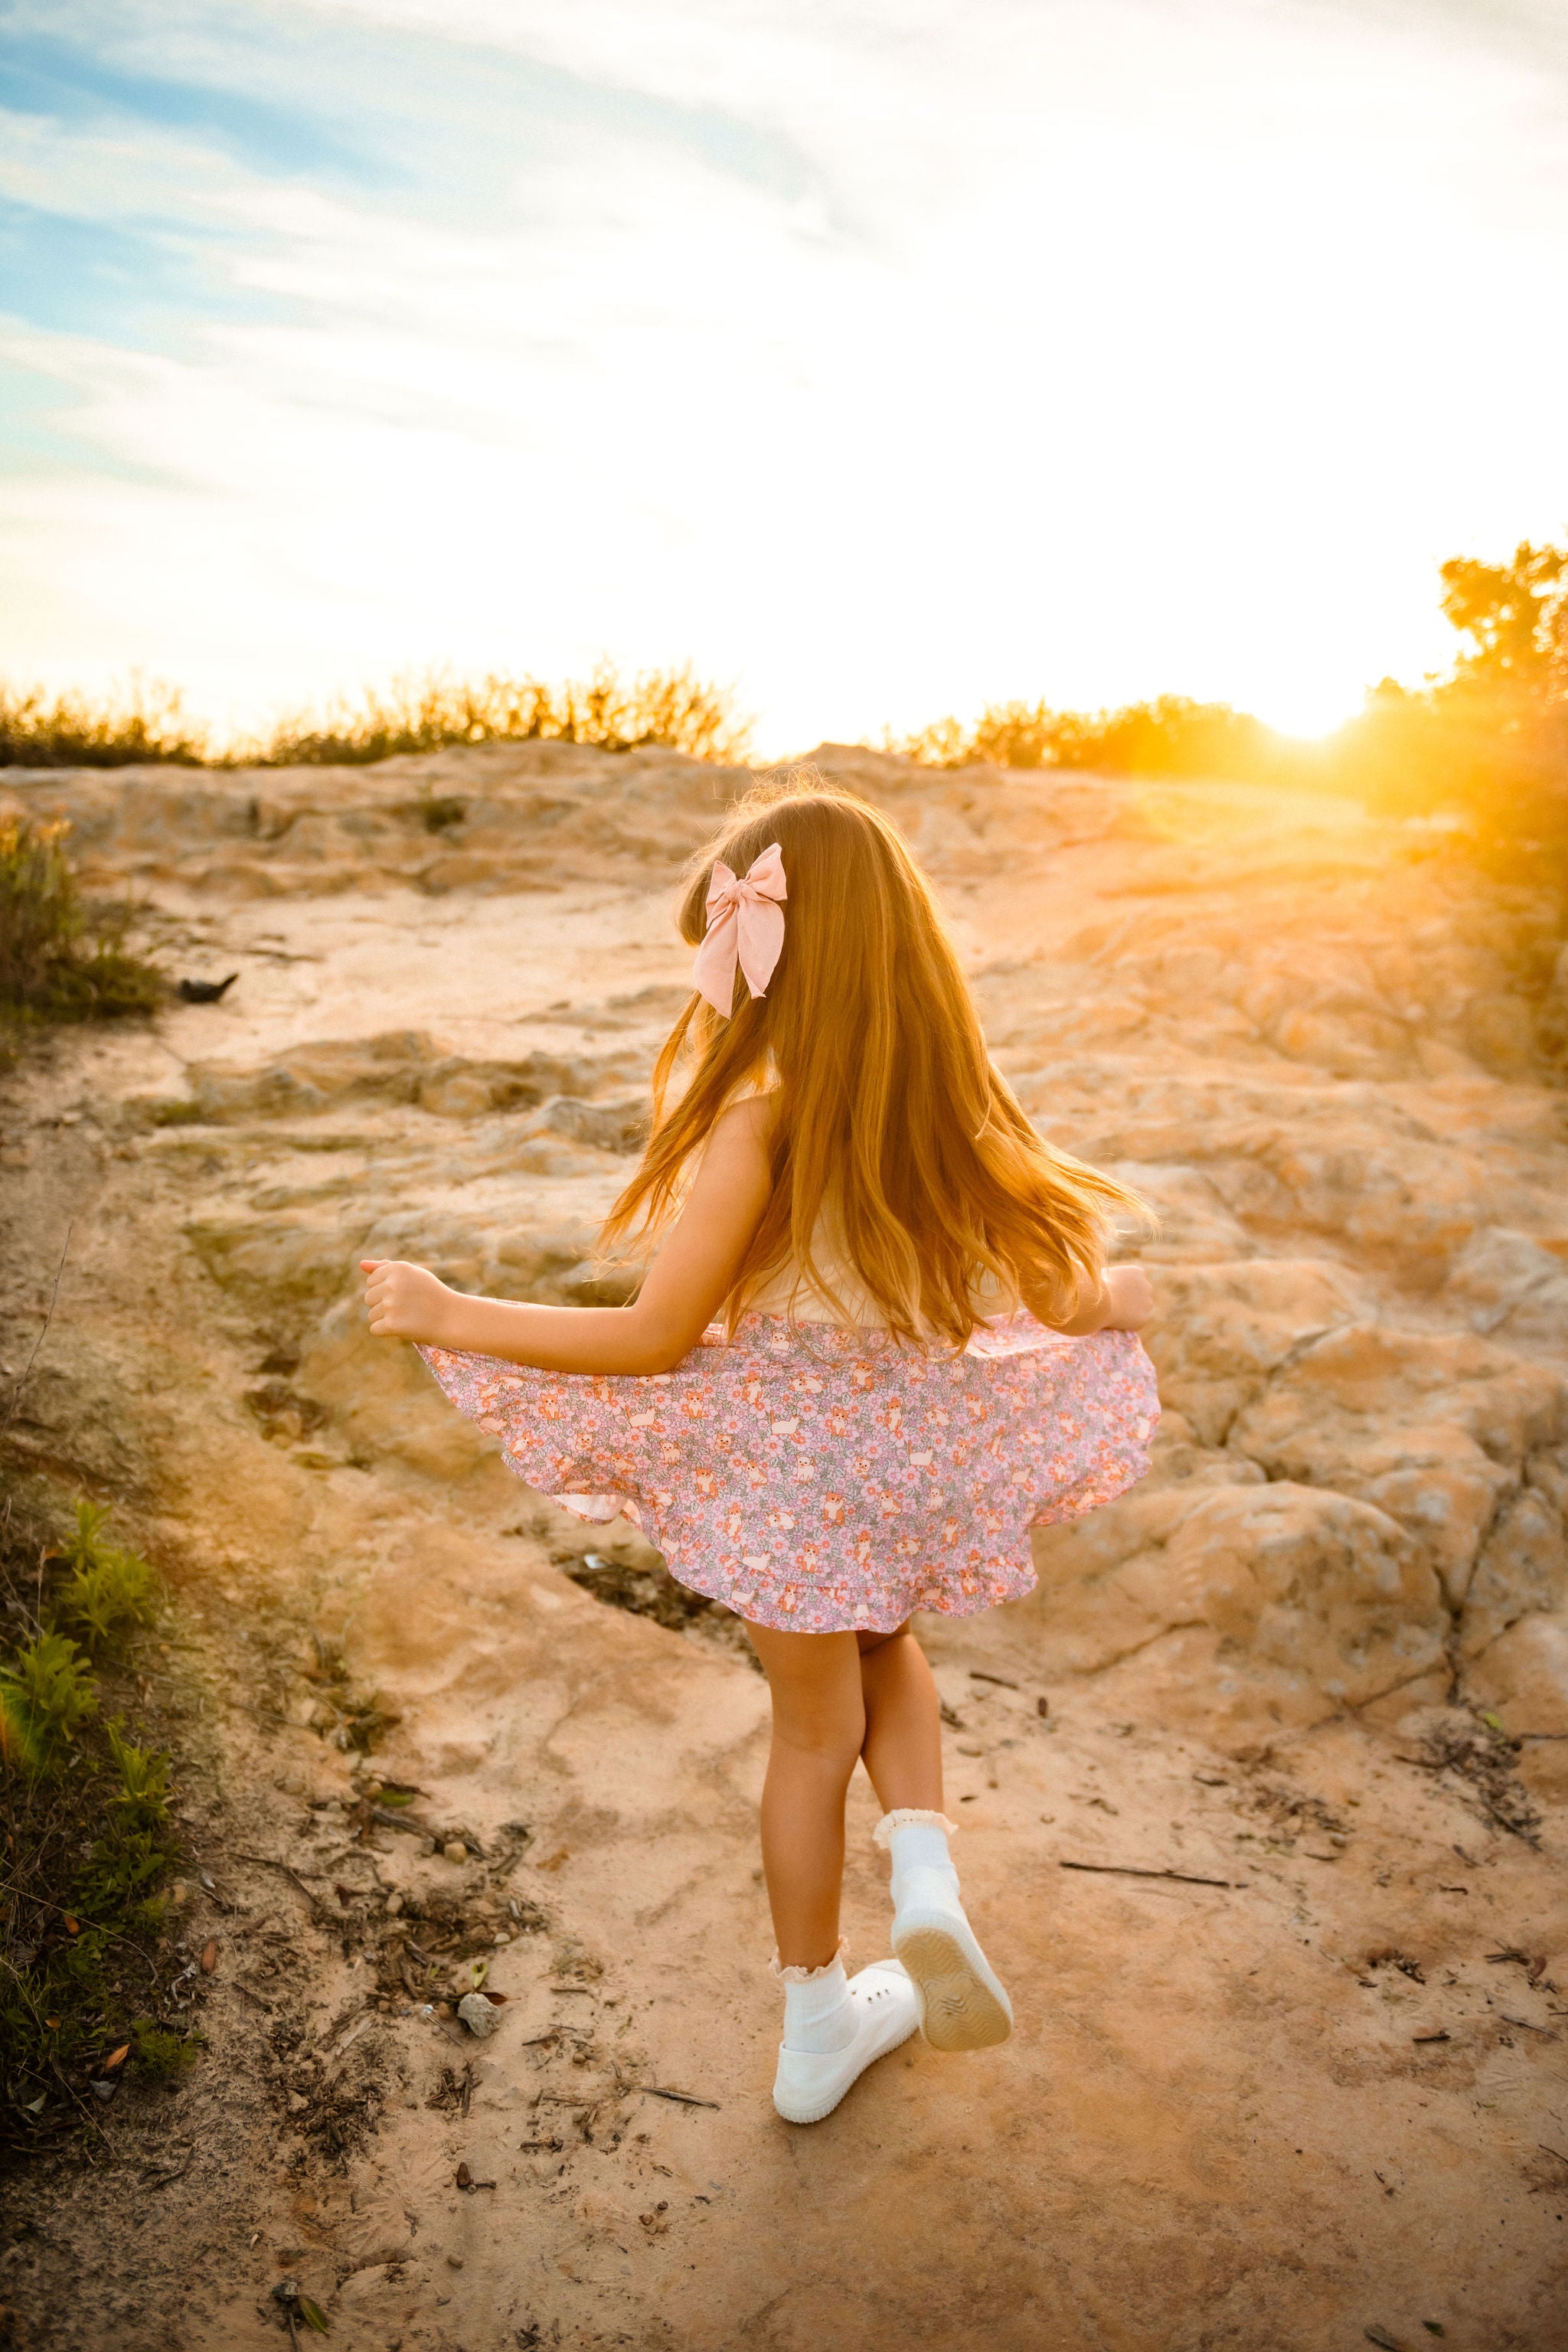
(975, 381)
(1303, 716)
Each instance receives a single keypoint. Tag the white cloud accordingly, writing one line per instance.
(1090, 351)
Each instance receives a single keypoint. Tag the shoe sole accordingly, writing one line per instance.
(814, 2115)
(962, 2007)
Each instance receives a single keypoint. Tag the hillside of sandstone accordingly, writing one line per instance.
(1305, 2091)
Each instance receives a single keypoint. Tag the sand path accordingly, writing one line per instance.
(1291, 2097)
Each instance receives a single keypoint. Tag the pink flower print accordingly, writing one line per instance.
(901, 1481)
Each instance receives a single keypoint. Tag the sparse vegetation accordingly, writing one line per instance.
(1485, 746)
(674, 708)
(73, 730)
(1171, 736)
(61, 959)
(109, 1590)
(89, 1835)
(161, 2053)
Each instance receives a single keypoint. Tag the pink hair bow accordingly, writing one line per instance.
(745, 926)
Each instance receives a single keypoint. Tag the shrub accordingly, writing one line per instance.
(1488, 744)
(1171, 736)
(89, 1833)
(59, 958)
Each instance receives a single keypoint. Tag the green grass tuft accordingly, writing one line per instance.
(47, 1694)
(162, 2055)
(109, 1590)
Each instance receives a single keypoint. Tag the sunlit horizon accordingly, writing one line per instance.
(878, 364)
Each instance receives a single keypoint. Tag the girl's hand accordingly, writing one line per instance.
(1129, 1298)
(406, 1302)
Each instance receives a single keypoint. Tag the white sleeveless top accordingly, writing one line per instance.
(786, 1293)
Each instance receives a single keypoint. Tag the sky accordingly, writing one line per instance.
(881, 357)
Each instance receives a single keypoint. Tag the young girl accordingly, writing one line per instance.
(879, 1344)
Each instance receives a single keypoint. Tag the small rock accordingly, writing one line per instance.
(297, 2102)
(455, 1850)
(393, 1905)
(480, 2016)
(286, 2291)
(454, 2262)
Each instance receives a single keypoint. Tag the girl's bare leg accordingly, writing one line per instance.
(819, 1729)
(902, 1747)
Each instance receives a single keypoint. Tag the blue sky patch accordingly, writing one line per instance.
(138, 287)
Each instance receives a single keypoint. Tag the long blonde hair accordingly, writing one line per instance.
(892, 1125)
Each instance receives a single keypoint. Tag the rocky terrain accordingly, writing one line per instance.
(1262, 1789)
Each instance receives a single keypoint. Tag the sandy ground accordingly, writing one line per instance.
(1309, 2093)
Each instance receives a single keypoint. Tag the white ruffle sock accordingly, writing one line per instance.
(819, 2016)
(962, 2003)
(835, 2027)
(916, 1843)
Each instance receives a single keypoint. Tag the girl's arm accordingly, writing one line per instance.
(1122, 1301)
(686, 1284)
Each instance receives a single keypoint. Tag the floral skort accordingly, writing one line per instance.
(823, 1480)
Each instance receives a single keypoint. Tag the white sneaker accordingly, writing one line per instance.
(962, 2004)
(810, 2084)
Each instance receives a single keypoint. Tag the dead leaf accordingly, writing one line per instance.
(73, 1926)
(313, 2315)
(116, 2057)
(210, 1956)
